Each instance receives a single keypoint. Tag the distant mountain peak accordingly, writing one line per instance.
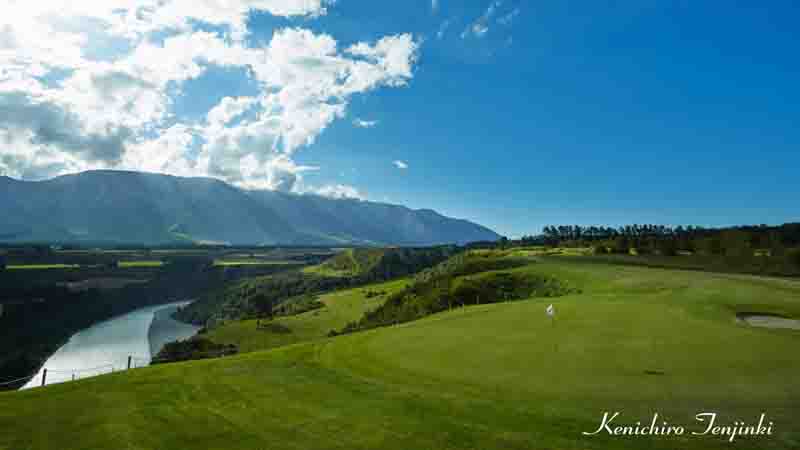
(139, 207)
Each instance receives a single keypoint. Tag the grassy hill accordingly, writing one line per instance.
(498, 376)
(369, 264)
(341, 308)
(349, 263)
(349, 268)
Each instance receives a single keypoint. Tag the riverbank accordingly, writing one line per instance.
(165, 329)
(46, 315)
(107, 346)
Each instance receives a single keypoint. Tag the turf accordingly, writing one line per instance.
(498, 376)
(340, 308)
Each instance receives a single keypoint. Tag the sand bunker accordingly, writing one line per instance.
(768, 321)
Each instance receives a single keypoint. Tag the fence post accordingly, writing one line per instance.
(73, 377)
(129, 362)
(44, 377)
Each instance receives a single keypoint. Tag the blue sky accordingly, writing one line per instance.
(513, 114)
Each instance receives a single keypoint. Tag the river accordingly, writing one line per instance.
(105, 346)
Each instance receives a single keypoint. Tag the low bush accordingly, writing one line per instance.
(198, 347)
(459, 282)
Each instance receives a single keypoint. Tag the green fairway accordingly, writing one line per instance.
(340, 308)
(501, 376)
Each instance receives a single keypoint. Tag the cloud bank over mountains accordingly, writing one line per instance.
(93, 84)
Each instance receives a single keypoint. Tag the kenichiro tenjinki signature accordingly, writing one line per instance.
(709, 426)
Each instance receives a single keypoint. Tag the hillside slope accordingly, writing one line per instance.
(351, 267)
(134, 207)
(498, 376)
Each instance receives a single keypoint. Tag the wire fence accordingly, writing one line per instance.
(53, 376)
(18, 380)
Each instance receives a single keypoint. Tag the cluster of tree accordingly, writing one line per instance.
(757, 240)
(45, 254)
(272, 327)
(377, 264)
(290, 307)
(198, 347)
(467, 279)
(372, 294)
(257, 297)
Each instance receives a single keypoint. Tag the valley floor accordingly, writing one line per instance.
(503, 376)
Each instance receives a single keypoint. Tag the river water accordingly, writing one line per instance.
(105, 346)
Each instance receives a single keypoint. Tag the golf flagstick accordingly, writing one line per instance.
(551, 312)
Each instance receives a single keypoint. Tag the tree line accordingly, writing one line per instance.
(756, 240)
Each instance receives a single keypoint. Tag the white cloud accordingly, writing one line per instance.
(229, 108)
(134, 17)
(339, 191)
(402, 165)
(365, 123)
(232, 13)
(166, 153)
(390, 61)
(69, 103)
(480, 26)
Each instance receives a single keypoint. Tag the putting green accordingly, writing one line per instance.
(502, 376)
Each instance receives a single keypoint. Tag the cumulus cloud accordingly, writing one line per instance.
(402, 165)
(228, 109)
(87, 84)
(53, 127)
(360, 123)
(131, 18)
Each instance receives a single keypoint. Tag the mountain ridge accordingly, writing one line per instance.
(141, 207)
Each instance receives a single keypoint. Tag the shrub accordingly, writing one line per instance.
(198, 347)
(274, 327)
(794, 256)
(445, 287)
(299, 305)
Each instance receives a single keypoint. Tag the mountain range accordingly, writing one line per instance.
(146, 208)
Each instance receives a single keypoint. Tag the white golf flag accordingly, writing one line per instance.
(551, 311)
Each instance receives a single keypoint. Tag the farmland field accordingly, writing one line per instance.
(42, 266)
